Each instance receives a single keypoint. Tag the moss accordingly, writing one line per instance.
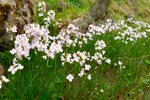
(18, 3)
(1, 14)
(7, 7)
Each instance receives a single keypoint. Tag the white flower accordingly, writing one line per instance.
(89, 76)
(41, 14)
(87, 67)
(20, 66)
(62, 63)
(44, 57)
(99, 61)
(14, 29)
(120, 63)
(117, 37)
(102, 90)
(81, 73)
(13, 51)
(108, 61)
(5, 79)
(131, 39)
(103, 52)
(126, 42)
(122, 67)
(40, 4)
(70, 77)
(115, 64)
(80, 42)
(10, 68)
(77, 59)
(28, 58)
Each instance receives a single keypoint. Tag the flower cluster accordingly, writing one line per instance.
(42, 8)
(12, 28)
(130, 34)
(36, 38)
(100, 45)
(47, 17)
(97, 57)
(79, 57)
(82, 72)
(15, 67)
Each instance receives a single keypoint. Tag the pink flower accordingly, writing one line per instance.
(89, 76)
(70, 77)
(87, 67)
(5, 79)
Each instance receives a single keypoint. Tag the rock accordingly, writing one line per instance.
(11, 3)
(2, 71)
(97, 15)
(83, 22)
(14, 12)
(62, 5)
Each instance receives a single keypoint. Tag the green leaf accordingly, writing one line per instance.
(145, 80)
(49, 66)
(147, 62)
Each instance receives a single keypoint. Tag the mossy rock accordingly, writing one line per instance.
(14, 12)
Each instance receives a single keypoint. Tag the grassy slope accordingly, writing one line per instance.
(142, 14)
(44, 83)
(143, 6)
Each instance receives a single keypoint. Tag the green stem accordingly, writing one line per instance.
(55, 62)
(3, 46)
(31, 82)
(47, 63)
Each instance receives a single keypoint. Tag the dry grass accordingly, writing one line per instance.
(140, 9)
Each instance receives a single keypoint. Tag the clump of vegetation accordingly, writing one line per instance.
(108, 62)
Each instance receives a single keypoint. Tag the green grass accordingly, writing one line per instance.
(48, 80)
(76, 8)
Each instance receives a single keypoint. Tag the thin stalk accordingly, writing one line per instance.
(55, 62)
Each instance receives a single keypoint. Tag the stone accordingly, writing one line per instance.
(61, 5)
(98, 14)
(83, 22)
(2, 71)
(14, 12)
